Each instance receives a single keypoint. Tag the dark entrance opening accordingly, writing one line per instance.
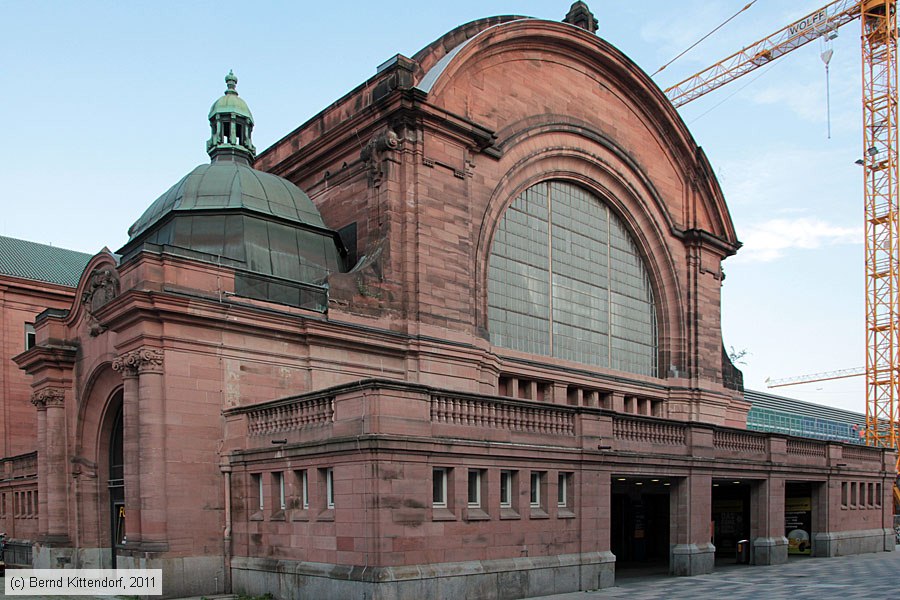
(639, 527)
(116, 484)
(730, 515)
(798, 517)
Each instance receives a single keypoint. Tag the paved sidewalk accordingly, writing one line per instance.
(865, 576)
(869, 576)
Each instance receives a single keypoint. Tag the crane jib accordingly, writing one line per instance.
(808, 21)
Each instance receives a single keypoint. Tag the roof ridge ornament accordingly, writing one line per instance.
(581, 16)
(231, 124)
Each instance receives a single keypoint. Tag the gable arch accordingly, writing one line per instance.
(536, 68)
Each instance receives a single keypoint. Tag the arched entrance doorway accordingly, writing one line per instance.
(116, 480)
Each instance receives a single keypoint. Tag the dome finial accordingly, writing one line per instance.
(232, 125)
(231, 81)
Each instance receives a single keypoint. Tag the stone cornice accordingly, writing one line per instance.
(142, 360)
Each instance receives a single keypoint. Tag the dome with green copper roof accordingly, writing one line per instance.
(255, 221)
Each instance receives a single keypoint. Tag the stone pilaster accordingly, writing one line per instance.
(692, 551)
(767, 506)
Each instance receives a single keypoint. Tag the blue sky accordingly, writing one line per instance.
(106, 108)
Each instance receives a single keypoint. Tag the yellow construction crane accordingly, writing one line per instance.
(879, 160)
(815, 377)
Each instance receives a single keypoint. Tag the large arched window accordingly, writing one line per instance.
(566, 280)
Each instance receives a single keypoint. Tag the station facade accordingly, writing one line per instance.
(479, 356)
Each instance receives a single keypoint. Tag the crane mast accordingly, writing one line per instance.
(879, 61)
(880, 166)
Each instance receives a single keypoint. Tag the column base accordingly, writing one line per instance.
(770, 551)
(692, 559)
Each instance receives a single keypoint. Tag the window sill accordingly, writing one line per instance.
(509, 514)
(539, 513)
(442, 514)
(564, 513)
(278, 516)
(476, 514)
(257, 516)
(300, 515)
(326, 515)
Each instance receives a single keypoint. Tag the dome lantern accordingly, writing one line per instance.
(231, 125)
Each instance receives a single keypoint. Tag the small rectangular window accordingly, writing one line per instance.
(845, 494)
(30, 337)
(474, 488)
(853, 502)
(535, 497)
(862, 494)
(303, 485)
(439, 487)
(279, 488)
(562, 490)
(878, 495)
(258, 487)
(329, 487)
(506, 485)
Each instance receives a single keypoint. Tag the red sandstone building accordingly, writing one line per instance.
(479, 356)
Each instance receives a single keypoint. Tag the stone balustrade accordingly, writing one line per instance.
(649, 432)
(739, 441)
(805, 447)
(501, 414)
(422, 412)
(292, 416)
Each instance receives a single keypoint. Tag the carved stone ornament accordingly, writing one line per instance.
(49, 396)
(102, 287)
(375, 154)
(139, 361)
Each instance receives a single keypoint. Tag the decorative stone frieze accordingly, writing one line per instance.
(376, 153)
(49, 396)
(102, 287)
(143, 360)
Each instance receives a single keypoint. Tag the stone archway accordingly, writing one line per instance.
(115, 476)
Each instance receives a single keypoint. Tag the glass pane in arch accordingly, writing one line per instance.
(565, 279)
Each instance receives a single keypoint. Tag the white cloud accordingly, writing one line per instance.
(770, 240)
(806, 100)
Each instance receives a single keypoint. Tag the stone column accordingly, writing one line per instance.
(691, 510)
(152, 425)
(767, 510)
(131, 447)
(52, 462)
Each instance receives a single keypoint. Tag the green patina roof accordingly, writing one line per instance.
(224, 185)
(39, 262)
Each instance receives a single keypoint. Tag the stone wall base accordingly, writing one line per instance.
(182, 576)
(692, 559)
(844, 543)
(503, 579)
(770, 551)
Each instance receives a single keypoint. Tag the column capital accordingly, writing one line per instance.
(48, 396)
(142, 360)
